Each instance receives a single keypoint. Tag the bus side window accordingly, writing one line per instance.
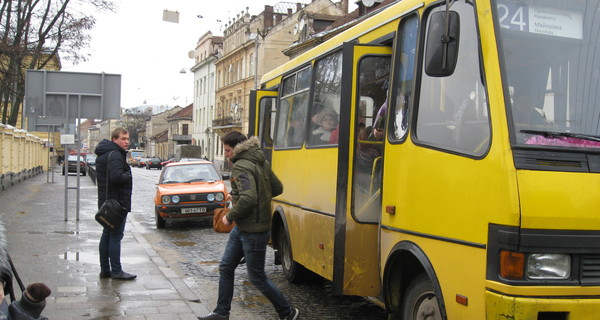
(371, 111)
(291, 122)
(404, 78)
(325, 108)
(452, 111)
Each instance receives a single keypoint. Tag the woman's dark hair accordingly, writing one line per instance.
(233, 138)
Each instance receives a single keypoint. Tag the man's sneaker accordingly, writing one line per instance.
(213, 316)
(293, 315)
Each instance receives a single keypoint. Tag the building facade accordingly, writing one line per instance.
(157, 125)
(254, 45)
(180, 129)
(208, 49)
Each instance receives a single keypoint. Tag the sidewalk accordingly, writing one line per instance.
(64, 255)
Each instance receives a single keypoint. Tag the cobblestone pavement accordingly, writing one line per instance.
(193, 249)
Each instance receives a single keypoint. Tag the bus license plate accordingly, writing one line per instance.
(193, 210)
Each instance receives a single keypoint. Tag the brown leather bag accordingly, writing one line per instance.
(218, 225)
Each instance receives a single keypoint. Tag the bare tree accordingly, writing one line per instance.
(32, 34)
(134, 120)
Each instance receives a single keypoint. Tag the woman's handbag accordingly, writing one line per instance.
(218, 225)
(111, 214)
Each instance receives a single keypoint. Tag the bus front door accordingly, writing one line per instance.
(262, 118)
(358, 209)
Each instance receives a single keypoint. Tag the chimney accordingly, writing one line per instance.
(268, 17)
(298, 6)
(290, 12)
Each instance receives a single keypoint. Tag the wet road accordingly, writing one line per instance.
(193, 250)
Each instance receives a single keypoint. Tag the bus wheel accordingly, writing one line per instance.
(420, 302)
(160, 222)
(291, 269)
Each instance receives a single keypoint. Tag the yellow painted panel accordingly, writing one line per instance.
(311, 185)
(308, 231)
(559, 200)
(459, 269)
(523, 308)
(550, 291)
(447, 195)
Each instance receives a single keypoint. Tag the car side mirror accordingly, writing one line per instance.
(226, 176)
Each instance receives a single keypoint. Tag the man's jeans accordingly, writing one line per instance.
(110, 249)
(252, 246)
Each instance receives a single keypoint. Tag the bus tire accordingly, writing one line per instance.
(420, 301)
(160, 222)
(292, 270)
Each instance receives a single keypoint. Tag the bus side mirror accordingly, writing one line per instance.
(441, 50)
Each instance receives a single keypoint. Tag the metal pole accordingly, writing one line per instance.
(66, 179)
(49, 158)
(78, 135)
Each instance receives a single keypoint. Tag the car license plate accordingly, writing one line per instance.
(193, 210)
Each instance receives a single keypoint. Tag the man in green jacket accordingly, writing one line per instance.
(253, 184)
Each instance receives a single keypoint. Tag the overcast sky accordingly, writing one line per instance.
(149, 53)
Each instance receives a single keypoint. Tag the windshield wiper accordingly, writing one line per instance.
(552, 134)
(194, 180)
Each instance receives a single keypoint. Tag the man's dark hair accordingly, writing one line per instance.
(117, 132)
(234, 138)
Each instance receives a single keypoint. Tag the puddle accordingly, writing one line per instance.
(179, 235)
(86, 257)
(66, 232)
(184, 243)
(93, 258)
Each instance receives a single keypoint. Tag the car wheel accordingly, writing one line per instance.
(160, 222)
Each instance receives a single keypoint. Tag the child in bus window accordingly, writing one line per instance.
(328, 121)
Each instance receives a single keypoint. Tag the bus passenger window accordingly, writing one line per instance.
(404, 78)
(369, 126)
(325, 109)
(292, 116)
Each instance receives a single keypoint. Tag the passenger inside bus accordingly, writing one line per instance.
(378, 125)
(528, 111)
(327, 120)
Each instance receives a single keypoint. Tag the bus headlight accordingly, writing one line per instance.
(219, 197)
(548, 266)
(165, 199)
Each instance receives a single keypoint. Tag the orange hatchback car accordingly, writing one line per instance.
(188, 190)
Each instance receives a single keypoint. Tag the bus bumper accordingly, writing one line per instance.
(501, 307)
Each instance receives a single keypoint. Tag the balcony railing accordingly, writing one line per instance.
(182, 137)
(227, 122)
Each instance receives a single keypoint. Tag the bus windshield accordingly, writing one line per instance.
(550, 56)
